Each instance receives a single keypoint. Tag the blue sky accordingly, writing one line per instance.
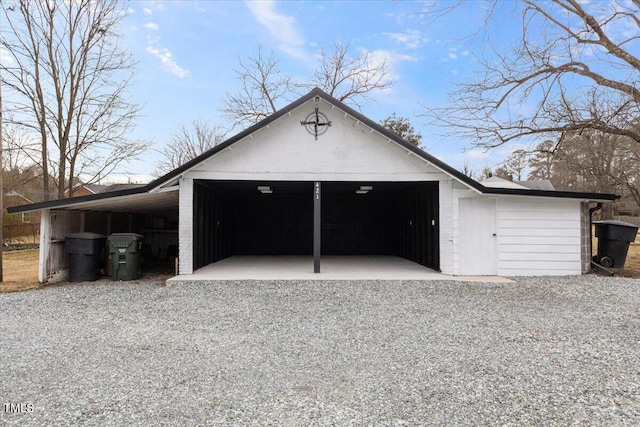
(186, 52)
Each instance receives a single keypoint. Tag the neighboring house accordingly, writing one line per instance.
(19, 227)
(319, 178)
(543, 184)
(497, 182)
(13, 198)
(86, 190)
(90, 189)
(119, 187)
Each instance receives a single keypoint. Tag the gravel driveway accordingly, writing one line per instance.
(553, 351)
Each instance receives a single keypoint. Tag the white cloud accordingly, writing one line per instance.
(454, 53)
(389, 58)
(168, 62)
(151, 26)
(477, 154)
(281, 27)
(5, 58)
(131, 11)
(411, 39)
(147, 11)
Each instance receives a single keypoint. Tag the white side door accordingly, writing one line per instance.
(478, 241)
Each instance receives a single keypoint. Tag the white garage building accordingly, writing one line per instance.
(318, 178)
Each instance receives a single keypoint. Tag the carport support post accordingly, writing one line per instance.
(185, 226)
(45, 244)
(316, 227)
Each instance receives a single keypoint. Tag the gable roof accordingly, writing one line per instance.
(14, 193)
(340, 105)
(95, 188)
(171, 177)
(539, 184)
(497, 182)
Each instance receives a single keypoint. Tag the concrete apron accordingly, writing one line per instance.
(332, 268)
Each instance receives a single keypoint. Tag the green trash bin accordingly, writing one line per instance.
(125, 249)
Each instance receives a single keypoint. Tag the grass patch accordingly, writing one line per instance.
(632, 266)
(20, 270)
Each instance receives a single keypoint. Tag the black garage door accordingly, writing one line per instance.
(276, 218)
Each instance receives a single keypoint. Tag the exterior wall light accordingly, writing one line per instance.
(364, 189)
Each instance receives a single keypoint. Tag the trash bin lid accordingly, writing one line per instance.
(131, 235)
(85, 235)
(614, 222)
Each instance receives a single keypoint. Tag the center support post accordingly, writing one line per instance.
(316, 226)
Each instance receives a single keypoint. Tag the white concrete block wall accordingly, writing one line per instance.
(585, 237)
(185, 235)
(445, 195)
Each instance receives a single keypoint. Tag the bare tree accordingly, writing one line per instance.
(401, 126)
(262, 89)
(591, 161)
(17, 148)
(486, 173)
(19, 172)
(68, 75)
(541, 161)
(514, 166)
(575, 66)
(350, 77)
(188, 143)
(503, 172)
(467, 169)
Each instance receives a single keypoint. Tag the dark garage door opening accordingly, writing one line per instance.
(276, 218)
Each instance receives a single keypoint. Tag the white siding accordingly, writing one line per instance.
(538, 236)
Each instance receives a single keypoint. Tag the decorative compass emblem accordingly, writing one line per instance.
(316, 123)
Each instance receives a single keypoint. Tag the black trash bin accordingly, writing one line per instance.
(85, 250)
(613, 242)
(125, 249)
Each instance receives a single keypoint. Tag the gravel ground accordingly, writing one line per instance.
(552, 351)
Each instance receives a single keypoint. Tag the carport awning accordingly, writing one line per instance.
(137, 200)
